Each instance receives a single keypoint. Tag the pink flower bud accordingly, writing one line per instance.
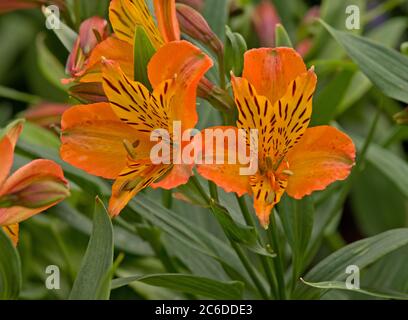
(265, 19)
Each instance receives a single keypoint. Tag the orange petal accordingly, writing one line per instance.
(6, 151)
(226, 175)
(23, 178)
(12, 232)
(179, 175)
(323, 156)
(111, 48)
(126, 15)
(165, 11)
(7, 144)
(271, 70)
(132, 102)
(187, 65)
(134, 178)
(93, 139)
(293, 112)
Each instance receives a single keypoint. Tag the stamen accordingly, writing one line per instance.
(287, 172)
(129, 148)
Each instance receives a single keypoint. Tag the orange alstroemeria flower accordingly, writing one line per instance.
(125, 16)
(274, 96)
(113, 140)
(32, 189)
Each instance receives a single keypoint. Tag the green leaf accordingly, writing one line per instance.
(326, 103)
(297, 219)
(205, 287)
(143, 52)
(237, 232)
(374, 215)
(392, 166)
(188, 233)
(385, 67)
(10, 269)
(387, 294)
(37, 135)
(216, 14)
(49, 65)
(235, 47)
(361, 253)
(90, 283)
(282, 37)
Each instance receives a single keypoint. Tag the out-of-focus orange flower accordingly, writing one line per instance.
(125, 16)
(46, 114)
(32, 189)
(91, 32)
(112, 140)
(274, 96)
(265, 18)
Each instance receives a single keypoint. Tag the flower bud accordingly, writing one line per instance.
(88, 92)
(194, 25)
(45, 114)
(91, 32)
(38, 194)
(218, 97)
(196, 4)
(265, 19)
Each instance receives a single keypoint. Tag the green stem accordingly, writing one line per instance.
(250, 270)
(213, 191)
(247, 265)
(18, 96)
(221, 71)
(167, 198)
(278, 262)
(265, 261)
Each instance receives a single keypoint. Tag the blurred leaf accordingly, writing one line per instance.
(49, 65)
(18, 96)
(235, 47)
(377, 204)
(393, 167)
(123, 239)
(143, 51)
(282, 37)
(361, 253)
(97, 262)
(387, 294)
(297, 219)
(385, 67)
(326, 103)
(37, 135)
(216, 14)
(188, 233)
(10, 269)
(65, 34)
(188, 283)
(237, 232)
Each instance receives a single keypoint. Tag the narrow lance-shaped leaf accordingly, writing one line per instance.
(205, 287)
(90, 283)
(385, 67)
(10, 269)
(143, 52)
(339, 285)
(361, 254)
